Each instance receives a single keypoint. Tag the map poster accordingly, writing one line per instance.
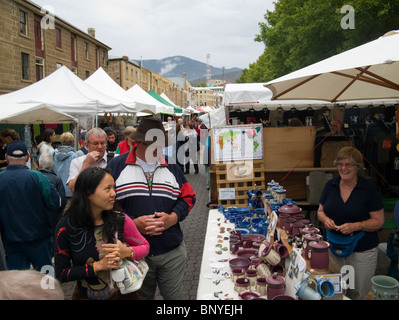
(238, 142)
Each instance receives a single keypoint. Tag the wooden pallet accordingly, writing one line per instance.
(241, 186)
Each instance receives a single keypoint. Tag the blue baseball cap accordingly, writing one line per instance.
(17, 149)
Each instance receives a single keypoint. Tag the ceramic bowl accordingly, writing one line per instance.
(242, 230)
(239, 262)
(247, 253)
(249, 295)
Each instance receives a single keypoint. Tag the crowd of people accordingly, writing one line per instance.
(86, 211)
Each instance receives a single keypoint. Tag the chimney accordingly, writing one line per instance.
(91, 32)
(125, 58)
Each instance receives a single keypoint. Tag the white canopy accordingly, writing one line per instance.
(255, 94)
(369, 71)
(155, 106)
(31, 113)
(101, 81)
(67, 93)
(214, 118)
(163, 95)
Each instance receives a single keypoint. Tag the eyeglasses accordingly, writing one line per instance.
(103, 143)
(347, 165)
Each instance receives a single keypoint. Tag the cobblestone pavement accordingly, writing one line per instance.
(194, 230)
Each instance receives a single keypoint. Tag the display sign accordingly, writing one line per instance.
(227, 194)
(240, 142)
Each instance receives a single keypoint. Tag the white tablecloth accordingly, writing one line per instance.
(215, 275)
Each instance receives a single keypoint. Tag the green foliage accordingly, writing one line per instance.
(301, 32)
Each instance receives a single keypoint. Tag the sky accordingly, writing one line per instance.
(157, 29)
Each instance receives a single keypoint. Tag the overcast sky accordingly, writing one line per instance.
(156, 29)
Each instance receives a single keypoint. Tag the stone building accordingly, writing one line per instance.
(34, 42)
(127, 73)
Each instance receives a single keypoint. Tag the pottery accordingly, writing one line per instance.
(305, 292)
(281, 220)
(384, 288)
(297, 227)
(283, 297)
(241, 284)
(268, 254)
(307, 238)
(281, 249)
(247, 253)
(288, 225)
(237, 273)
(239, 262)
(234, 245)
(290, 208)
(263, 270)
(318, 254)
(261, 286)
(249, 295)
(310, 229)
(275, 285)
(251, 275)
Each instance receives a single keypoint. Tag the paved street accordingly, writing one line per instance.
(194, 229)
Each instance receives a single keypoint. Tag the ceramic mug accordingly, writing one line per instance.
(237, 273)
(241, 284)
(263, 270)
(384, 288)
(234, 245)
(307, 293)
(261, 286)
(325, 288)
(251, 275)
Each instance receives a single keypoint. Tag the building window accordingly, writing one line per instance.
(86, 50)
(58, 37)
(25, 65)
(39, 68)
(23, 17)
(87, 74)
(104, 58)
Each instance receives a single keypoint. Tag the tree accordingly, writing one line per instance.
(301, 32)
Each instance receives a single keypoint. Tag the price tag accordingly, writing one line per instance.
(227, 194)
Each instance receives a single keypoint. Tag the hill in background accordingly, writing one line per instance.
(173, 67)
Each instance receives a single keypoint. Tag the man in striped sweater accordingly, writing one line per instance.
(157, 196)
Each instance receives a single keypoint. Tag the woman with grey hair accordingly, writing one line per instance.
(46, 164)
(63, 157)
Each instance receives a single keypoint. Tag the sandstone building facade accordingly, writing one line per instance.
(34, 42)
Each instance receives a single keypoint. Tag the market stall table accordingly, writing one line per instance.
(215, 280)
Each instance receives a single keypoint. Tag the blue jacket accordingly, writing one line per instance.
(169, 191)
(63, 157)
(24, 197)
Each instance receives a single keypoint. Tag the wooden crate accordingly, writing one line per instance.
(241, 186)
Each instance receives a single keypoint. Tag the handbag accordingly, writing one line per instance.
(130, 275)
(342, 245)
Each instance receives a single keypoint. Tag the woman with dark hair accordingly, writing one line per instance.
(45, 146)
(89, 239)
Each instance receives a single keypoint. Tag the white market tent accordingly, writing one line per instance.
(163, 95)
(139, 95)
(65, 92)
(257, 95)
(33, 113)
(101, 81)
